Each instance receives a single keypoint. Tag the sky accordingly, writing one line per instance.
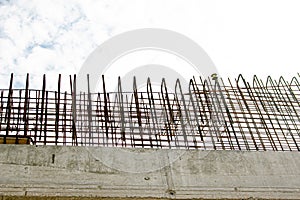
(52, 37)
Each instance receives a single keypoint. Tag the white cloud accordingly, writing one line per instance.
(249, 37)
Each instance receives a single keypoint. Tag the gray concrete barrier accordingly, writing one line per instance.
(61, 171)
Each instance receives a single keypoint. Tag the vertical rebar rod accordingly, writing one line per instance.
(166, 103)
(57, 96)
(238, 103)
(8, 114)
(89, 110)
(207, 100)
(42, 106)
(138, 111)
(178, 85)
(26, 102)
(195, 112)
(46, 119)
(121, 108)
(105, 107)
(222, 101)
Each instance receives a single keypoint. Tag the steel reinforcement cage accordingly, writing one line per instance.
(210, 115)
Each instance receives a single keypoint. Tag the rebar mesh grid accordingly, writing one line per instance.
(210, 115)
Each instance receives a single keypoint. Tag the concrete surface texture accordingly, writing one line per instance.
(76, 172)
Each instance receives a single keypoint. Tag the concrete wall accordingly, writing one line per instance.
(118, 172)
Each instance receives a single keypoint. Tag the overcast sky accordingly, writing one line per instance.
(249, 37)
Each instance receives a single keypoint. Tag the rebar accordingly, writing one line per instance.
(210, 115)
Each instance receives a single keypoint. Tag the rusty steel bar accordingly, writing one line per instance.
(8, 110)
